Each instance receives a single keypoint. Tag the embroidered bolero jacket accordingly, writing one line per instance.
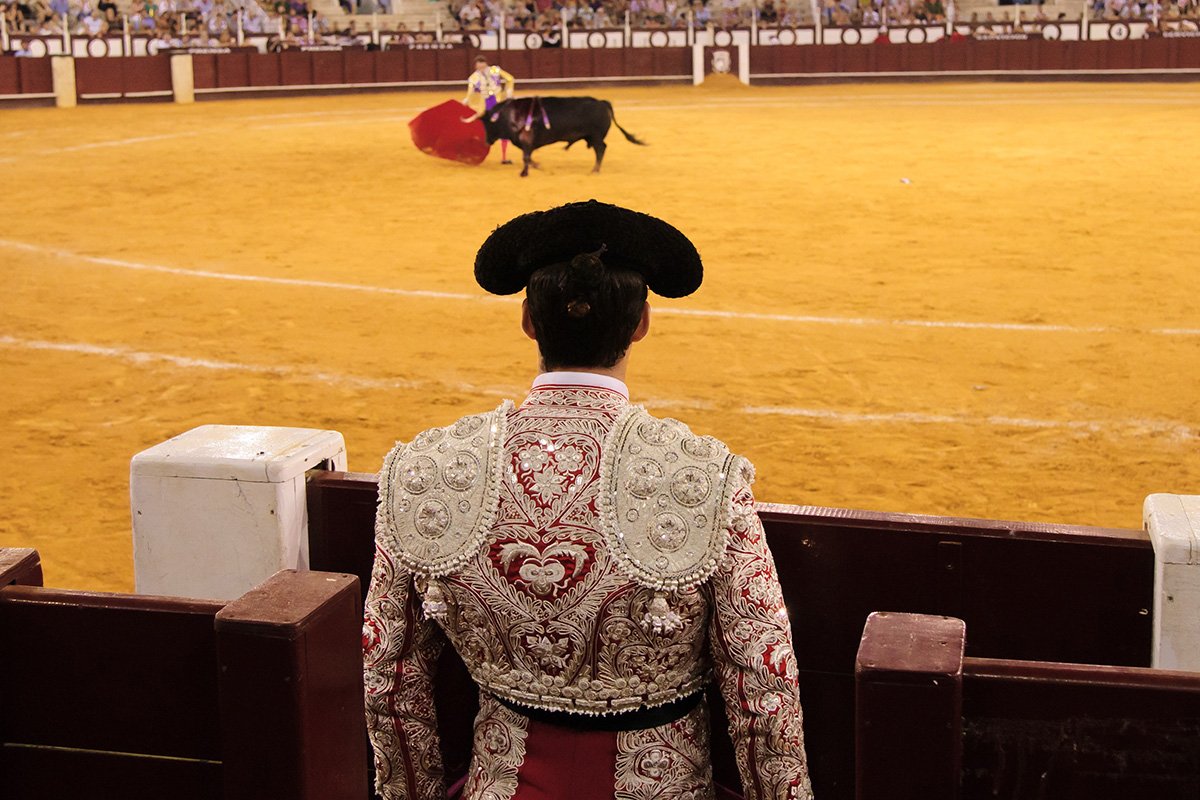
(581, 556)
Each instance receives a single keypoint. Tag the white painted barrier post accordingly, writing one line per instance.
(183, 79)
(1173, 522)
(62, 72)
(221, 508)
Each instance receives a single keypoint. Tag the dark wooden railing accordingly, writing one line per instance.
(132, 697)
(936, 725)
(1027, 591)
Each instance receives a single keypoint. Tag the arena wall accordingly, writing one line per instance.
(776, 58)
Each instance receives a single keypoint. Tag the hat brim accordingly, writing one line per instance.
(663, 256)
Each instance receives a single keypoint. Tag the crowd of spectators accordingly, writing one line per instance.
(215, 22)
(174, 22)
(541, 15)
(1145, 9)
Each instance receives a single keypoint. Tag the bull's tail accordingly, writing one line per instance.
(613, 116)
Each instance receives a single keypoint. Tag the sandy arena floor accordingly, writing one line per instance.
(976, 299)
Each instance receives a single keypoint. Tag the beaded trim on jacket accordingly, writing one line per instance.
(666, 498)
(438, 495)
(665, 505)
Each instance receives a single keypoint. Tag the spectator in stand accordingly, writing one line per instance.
(217, 20)
(255, 18)
(12, 17)
(470, 16)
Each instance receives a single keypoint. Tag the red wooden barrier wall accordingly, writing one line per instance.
(242, 71)
(25, 76)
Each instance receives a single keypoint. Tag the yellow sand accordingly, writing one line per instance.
(1063, 205)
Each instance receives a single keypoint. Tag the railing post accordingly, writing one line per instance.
(1173, 522)
(908, 727)
(183, 79)
(62, 70)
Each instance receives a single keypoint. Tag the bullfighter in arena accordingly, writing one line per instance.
(483, 90)
(594, 566)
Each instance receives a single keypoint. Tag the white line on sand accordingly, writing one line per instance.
(1174, 430)
(1032, 327)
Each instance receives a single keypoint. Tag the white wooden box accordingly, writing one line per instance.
(221, 508)
(1173, 522)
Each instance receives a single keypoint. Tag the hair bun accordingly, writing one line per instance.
(587, 268)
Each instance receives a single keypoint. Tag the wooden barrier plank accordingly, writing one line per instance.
(454, 64)
(1076, 732)
(10, 75)
(233, 70)
(291, 650)
(607, 62)
(21, 566)
(359, 66)
(146, 74)
(422, 67)
(295, 68)
(909, 707)
(1025, 591)
(265, 69)
(327, 67)
(668, 61)
(36, 76)
(391, 66)
(44, 774)
(638, 61)
(1026, 729)
(135, 652)
(548, 63)
(579, 61)
(99, 76)
(204, 71)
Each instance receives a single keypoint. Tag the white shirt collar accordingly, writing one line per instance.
(581, 379)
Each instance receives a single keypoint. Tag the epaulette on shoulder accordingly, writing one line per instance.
(439, 493)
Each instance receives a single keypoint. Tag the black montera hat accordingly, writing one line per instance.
(645, 244)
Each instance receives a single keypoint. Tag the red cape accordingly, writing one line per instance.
(440, 131)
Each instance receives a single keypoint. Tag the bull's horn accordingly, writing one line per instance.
(479, 115)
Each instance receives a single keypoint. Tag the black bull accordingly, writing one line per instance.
(534, 122)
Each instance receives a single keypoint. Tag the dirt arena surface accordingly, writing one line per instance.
(972, 299)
